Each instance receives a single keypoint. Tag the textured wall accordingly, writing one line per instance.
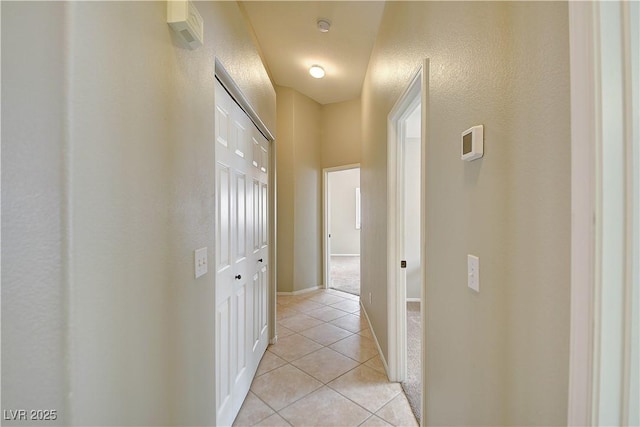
(500, 356)
(299, 195)
(286, 187)
(33, 208)
(111, 87)
(341, 133)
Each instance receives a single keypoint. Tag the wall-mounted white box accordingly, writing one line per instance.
(186, 21)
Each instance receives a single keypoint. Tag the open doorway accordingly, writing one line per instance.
(411, 155)
(342, 228)
(406, 238)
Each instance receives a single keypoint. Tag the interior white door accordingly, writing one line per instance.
(242, 276)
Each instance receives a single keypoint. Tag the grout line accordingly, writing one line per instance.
(291, 305)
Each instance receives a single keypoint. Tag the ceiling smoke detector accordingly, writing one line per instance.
(324, 25)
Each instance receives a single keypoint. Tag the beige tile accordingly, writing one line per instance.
(326, 334)
(269, 362)
(376, 363)
(351, 323)
(285, 312)
(356, 347)
(300, 322)
(325, 365)
(366, 333)
(326, 298)
(374, 421)
(274, 420)
(398, 412)
(326, 314)
(285, 299)
(347, 305)
(294, 347)
(324, 407)
(365, 386)
(252, 411)
(307, 305)
(283, 331)
(347, 295)
(283, 386)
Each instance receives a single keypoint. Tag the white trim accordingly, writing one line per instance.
(234, 90)
(345, 255)
(396, 279)
(227, 82)
(414, 300)
(375, 340)
(583, 203)
(302, 291)
(326, 249)
(602, 115)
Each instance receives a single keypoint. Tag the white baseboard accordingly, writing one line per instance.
(375, 340)
(273, 340)
(345, 254)
(301, 291)
(413, 300)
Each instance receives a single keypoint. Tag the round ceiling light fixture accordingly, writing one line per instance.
(316, 71)
(324, 25)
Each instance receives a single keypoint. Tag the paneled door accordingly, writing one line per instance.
(242, 256)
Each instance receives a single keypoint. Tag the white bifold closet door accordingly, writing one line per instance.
(242, 256)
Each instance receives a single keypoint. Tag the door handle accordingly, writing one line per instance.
(238, 277)
(260, 260)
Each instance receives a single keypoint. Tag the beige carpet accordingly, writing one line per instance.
(413, 385)
(345, 274)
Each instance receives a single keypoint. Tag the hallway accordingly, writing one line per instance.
(324, 370)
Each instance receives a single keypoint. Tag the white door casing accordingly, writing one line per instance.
(604, 382)
(326, 220)
(242, 253)
(414, 94)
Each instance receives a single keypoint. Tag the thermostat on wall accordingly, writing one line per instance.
(472, 144)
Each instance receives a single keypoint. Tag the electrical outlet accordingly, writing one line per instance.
(200, 258)
(473, 272)
(369, 297)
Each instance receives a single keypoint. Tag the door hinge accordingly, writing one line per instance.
(403, 264)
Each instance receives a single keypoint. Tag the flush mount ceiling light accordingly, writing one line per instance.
(324, 25)
(316, 71)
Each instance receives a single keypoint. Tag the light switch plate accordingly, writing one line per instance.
(473, 272)
(201, 262)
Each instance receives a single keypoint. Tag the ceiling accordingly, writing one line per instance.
(290, 41)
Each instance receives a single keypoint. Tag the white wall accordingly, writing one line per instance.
(412, 216)
(499, 357)
(345, 238)
(109, 156)
(34, 208)
(412, 156)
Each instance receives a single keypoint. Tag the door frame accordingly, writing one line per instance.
(326, 256)
(417, 91)
(227, 82)
(591, 51)
(236, 93)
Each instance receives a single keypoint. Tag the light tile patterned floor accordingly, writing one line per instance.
(324, 370)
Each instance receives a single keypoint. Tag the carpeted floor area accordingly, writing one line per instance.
(345, 274)
(413, 385)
